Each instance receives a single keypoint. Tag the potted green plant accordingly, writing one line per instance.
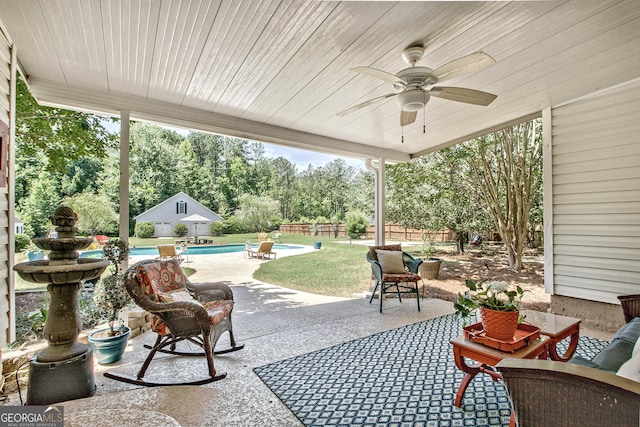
(499, 307)
(110, 296)
(430, 266)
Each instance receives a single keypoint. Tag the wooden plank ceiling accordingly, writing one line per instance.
(279, 70)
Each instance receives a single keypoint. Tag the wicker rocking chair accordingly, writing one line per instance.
(161, 288)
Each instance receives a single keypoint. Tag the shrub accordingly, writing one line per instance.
(216, 228)
(180, 229)
(21, 242)
(234, 226)
(355, 224)
(145, 229)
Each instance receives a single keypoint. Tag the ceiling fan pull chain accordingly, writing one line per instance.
(424, 120)
(402, 129)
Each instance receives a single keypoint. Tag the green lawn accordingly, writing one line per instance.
(338, 269)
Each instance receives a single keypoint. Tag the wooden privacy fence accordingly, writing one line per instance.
(392, 232)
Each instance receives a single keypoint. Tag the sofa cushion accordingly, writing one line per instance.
(618, 351)
(631, 369)
(614, 355)
(629, 332)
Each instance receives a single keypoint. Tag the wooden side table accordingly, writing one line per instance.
(557, 328)
(487, 358)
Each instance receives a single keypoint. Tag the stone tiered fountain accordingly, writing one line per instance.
(64, 369)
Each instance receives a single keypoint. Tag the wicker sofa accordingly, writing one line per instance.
(582, 392)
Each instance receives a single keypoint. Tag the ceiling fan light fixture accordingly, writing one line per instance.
(412, 100)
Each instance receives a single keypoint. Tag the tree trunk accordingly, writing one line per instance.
(460, 236)
(504, 171)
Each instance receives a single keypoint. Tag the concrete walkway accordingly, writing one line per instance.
(274, 323)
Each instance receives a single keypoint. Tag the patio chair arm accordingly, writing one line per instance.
(210, 291)
(376, 268)
(412, 263)
(555, 393)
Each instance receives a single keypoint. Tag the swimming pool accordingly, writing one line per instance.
(191, 250)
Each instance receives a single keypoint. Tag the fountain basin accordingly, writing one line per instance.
(44, 272)
(63, 244)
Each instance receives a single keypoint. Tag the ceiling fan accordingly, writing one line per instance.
(416, 84)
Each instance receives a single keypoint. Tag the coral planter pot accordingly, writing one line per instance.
(499, 325)
(108, 349)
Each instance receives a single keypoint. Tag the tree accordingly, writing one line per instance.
(257, 213)
(506, 167)
(42, 201)
(63, 136)
(96, 214)
(355, 225)
(427, 193)
(282, 184)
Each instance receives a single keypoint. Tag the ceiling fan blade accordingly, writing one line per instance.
(365, 104)
(407, 117)
(460, 94)
(467, 64)
(379, 74)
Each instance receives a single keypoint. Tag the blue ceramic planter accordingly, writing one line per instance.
(108, 349)
(35, 255)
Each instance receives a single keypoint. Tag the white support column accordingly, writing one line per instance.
(379, 179)
(547, 154)
(124, 177)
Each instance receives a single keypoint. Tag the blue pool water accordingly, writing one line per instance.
(192, 250)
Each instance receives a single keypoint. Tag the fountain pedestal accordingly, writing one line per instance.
(64, 369)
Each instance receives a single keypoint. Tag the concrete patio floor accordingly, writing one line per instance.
(273, 323)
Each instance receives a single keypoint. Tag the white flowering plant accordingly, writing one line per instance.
(492, 295)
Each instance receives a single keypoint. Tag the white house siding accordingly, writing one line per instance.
(165, 216)
(596, 195)
(7, 112)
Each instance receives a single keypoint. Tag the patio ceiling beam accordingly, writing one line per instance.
(75, 98)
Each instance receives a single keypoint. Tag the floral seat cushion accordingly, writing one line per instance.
(401, 277)
(160, 277)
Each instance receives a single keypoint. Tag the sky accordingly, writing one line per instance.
(302, 158)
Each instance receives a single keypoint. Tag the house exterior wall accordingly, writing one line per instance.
(8, 74)
(595, 197)
(166, 215)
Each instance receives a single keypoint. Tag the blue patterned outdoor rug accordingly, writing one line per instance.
(402, 377)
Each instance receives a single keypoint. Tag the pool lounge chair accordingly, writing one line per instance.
(168, 252)
(264, 250)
